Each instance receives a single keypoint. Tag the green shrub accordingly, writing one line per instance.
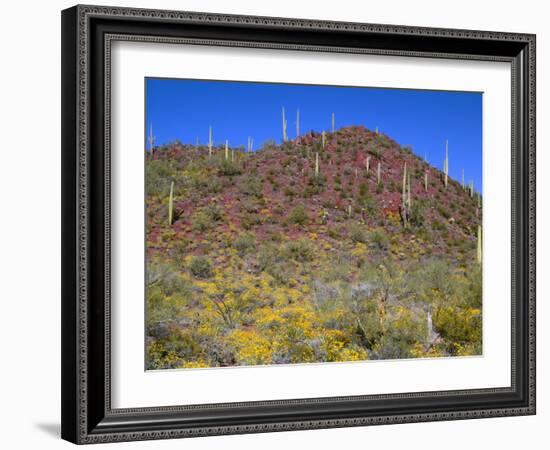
(416, 217)
(202, 222)
(158, 175)
(443, 211)
(439, 226)
(458, 325)
(298, 216)
(200, 267)
(289, 192)
(379, 239)
(251, 185)
(249, 220)
(244, 243)
(213, 212)
(228, 168)
(301, 250)
(363, 189)
(358, 233)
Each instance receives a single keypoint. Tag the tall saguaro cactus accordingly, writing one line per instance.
(210, 141)
(226, 149)
(297, 123)
(171, 205)
(471, 188)
(479, 245)
(446, 162)
(285, 138)
(404, 197)
(367, 163)
(463, 185)
(323, 139)
(151, 139)
(316, 164)
(426, 181)
(378, 174)
(333, 123)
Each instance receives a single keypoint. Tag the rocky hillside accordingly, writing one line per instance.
(319, 249)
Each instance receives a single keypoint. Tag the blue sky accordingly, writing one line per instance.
(184, 109)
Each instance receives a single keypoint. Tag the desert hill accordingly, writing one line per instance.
(330, 238)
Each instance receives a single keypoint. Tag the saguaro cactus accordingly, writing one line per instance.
(284, 126)
(171, 205)
(367, 163)
(226, 149)
(210, 141)
(323, 139)
(446, 162)
(471, 188)
(151, 139)
(404, 197)
(297, 123)
(378, 174)
(463, 185)
(349, 211)
(426, 181)
(479, 245)
(316, 164)
(232, 155)
(333, 123)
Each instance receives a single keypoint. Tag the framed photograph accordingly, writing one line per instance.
(280, 224)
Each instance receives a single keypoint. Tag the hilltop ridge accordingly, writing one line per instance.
(278, 178)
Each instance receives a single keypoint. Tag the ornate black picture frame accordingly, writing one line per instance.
(87, 34)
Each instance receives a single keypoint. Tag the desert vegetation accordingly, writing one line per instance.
(333, 246)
